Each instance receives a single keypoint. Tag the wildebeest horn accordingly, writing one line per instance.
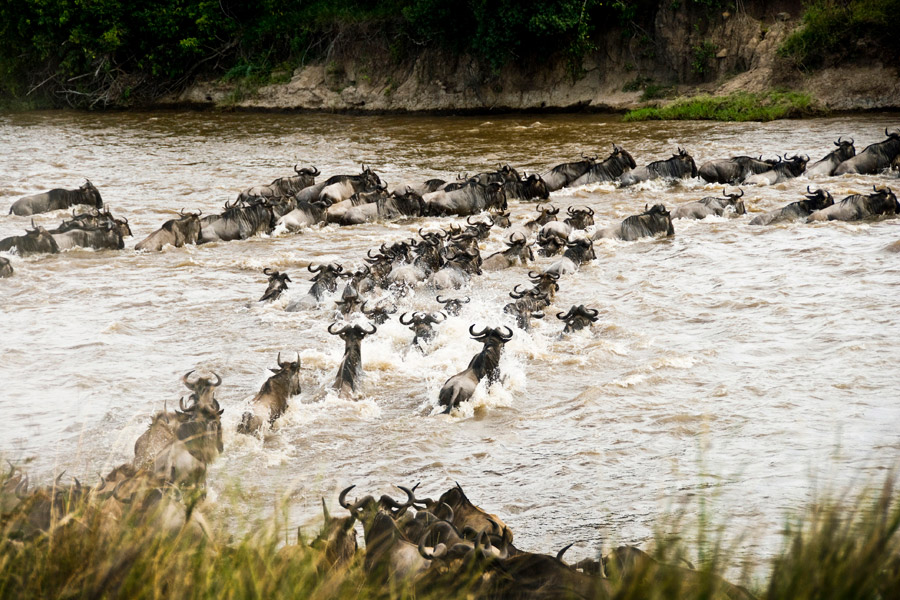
(838, 142)
(507, 336)
(851, 141)
(476, 335)
(374, 329)
(563, 317)
(402, 322)
(218, 380)
(592, 312)
(512, 238)
(267, 271)
(342, 498)
(438, 299)
(184, 379)
(559, 554)
(23, 488)
(339, 332)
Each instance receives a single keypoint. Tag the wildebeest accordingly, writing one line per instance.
(527, 305)
(453, 305)
(579, 218)
(730, 205)
(56, 200)
(734, 170)
(858, 206)
(611, 169)
(278, 283)
(98, 238)
(565, 174)
(549, 245)
(457, 269)
(827, 166)
(93, 219)
(379, 313)
(579, 251)
(305, 215)
(35, 241)
(390, 208)
(546, 213)
(796, 210)
(422, 325)
(272, 399)
(578, 318)
(337, 210)
(238, 221)
(461, 386)
(464, 515)
(336, 539)
(347, 382)
(518, 251)
(654, 221)
(324, 280)
(6, 269)
(174, 232)
(788, 168)
(341, 187)
(680, 166)
(533, 186)
(283, 186)
(874, 158)
(470, 199)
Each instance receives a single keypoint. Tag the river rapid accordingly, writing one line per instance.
(735, 372)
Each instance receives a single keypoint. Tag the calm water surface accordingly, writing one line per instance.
(740, 368)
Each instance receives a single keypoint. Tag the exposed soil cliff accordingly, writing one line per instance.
(685, 53)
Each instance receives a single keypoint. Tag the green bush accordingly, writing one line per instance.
(740, 106)
(837, 30)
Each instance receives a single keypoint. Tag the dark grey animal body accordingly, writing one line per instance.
(57, 199)
(680, 166)
(6, 269)
(239, 221)
(566, 174)
(730, 205)
(470, 199)
(857, 207)
(796, 211)
(305, 214)
(578, 252)
(788, 168)
(283, 186)
(827, 165)
(652, 222)
(422, 325)
(35, 241)
(395, 206)
(578, 318)
(518, 251)
(531, 188)
(616, 164)
(461, 386)
(175, 232)
(874, 157)
(272, 399)
(98, 238)
(349, 374)
(278, 283)
(734, 170)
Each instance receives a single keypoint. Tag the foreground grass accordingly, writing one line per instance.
(832, 551)
(740, 106)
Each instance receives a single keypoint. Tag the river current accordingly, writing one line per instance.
(736, 373)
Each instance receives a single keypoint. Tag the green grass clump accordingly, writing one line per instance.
(740, 106)
(836, 30)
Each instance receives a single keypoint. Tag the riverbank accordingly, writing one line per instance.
(727, 55)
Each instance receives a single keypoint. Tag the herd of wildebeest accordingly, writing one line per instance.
(424, 541)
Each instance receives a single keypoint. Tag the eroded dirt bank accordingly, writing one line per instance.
(687, 52)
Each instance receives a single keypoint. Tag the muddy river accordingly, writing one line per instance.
(736, 372)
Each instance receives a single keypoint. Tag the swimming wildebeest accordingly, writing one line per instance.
(859, 206)
(790, 167)
(654, 221)
(283, 186)
(174, 232)
(680, 166)
(731, 205)
(278, 283)
(617, 164)
(6, 269)
(578, 318)
(272, 399)
(35, 241)
(874, 158)
(56, 200)
(796, 210)
(825, 167)
(347, 382)
(461, 386)
(734, 170)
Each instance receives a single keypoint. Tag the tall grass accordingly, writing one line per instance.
(740, 106)
(833, 550)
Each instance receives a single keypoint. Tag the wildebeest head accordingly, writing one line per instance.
(546, 213)
(518, 247)
(326, 276)
(480, 229)
(580, 250)
(884, 201)
(464, 515)
(845, 150)
(409, 202)
(277, 284)
(349, 302)
(200, 428)
(465, 260)
(545, 282)
(421, 324)
(379, 313)
(624, 155)
(366, 508)
(187, 227)
(819, 199)
(501, 219)
(659, 217)
(550, 245)
(578, 318)
(291, 371)
(336, 539)
(495, 196)
(371, 179)
(536, 187)
(90, 194)
(312, 172)
(795, 165)
(203, 389)
(580, 218)
(399, 251)
(453, 305)
(36, 240)
(688, 162)
(733, 200)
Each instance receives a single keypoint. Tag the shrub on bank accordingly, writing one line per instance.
(740, 106)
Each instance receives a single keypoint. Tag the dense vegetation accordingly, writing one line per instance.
(837, 30)
(740, 106)
(832, 551)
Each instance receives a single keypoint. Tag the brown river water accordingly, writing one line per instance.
(736, 372)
